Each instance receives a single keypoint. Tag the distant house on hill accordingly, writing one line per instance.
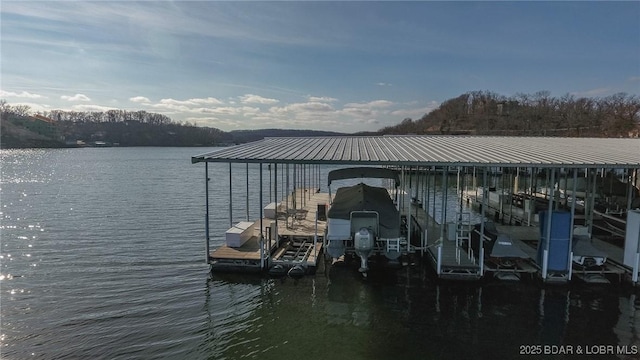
(43, 125)
(42, 118)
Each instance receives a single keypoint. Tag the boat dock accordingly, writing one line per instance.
(291, 233)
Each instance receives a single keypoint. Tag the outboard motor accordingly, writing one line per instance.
(364, 242)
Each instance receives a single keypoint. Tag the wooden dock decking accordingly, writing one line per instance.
(293, 225)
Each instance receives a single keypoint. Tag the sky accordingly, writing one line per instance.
(337, 66)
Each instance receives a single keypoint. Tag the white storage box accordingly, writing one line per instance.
(239, 234)
(270, 210)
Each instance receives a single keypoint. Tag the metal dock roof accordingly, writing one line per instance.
(436, 150)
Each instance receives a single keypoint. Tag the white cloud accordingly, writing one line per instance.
(383, 84)
(208, 100)
(359, 112)
(33, 107)
(139, 99)
(210, 121)
(92, 107)
(195, 101)
(195, 105)
(321, 99)
(415, 113)
(76, 97)
(298, 108)
(257, 99)
(367, 121)
(370, 104)
(593, 92)
(310, 106)
(169, 107)
(229, 110)
(22, 94)
(367, 110)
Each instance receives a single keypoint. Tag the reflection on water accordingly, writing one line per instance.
(406, 313)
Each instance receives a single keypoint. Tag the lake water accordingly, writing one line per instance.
(102, 257)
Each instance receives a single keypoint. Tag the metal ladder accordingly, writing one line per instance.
(463, 233)
(393, 245)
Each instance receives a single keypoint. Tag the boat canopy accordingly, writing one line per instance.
(364, 172)
(363, 197)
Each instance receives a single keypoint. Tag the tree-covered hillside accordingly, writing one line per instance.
(21, 128)
(478, 112)
(539, 114)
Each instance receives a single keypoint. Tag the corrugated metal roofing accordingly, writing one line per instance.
(436, 150)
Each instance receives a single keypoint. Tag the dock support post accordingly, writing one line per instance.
(315, 242)
(485, 204)
(500, 170)
(481, 259)
(270, 184)
(570, 262)
(475, 184)
(511, 192)
(400, 195)
(629, 189)
(443, 214)
(545, 257)
(434, 192)
(547, 243)
(230, 198)
(206, 216)
(439, 264)
(262, 249)
(409, 213)
(426, 202)
(636, 265)
(275, 188)
(634, 276)
(247, 184)
(573, 216)
(295, 179)
(286, 192)
(423, 242)
(592, 204)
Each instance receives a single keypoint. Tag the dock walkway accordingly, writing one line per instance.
(296, 228)
(448, 260)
